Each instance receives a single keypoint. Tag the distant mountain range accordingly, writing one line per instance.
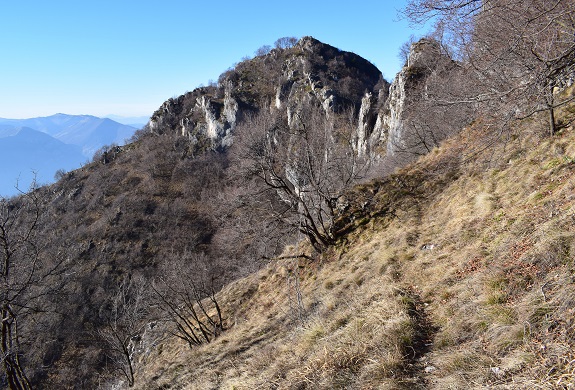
(41, 146)
(135, 121)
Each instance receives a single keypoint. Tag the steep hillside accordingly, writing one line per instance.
(456, 272)
(252, 235)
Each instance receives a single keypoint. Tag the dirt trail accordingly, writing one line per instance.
(417, 367)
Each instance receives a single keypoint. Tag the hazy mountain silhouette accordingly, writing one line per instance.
(47, 144)
(31, 153)
(8, 130)
(135, 121)
(86, 131)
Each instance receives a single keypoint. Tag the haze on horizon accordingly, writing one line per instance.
(126, 58)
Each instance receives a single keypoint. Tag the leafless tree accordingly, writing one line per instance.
(308, 161)
(404, 49)
(30, 275)
(124, 318)
(285, 42)
(538, 50)
(515, 53)
(453, 21)
(186, 295)
(263, 50)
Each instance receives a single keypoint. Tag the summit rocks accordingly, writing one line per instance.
(288, 79)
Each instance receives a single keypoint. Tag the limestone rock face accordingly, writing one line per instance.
(199, 115)
(382, 117)
(371, 136)
(409, 85)
(392, 120)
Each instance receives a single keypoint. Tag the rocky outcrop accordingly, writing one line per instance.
(392, 118)
(310, 72)
(382, 119)
(370, 135)
(199, 116)
(408, 87)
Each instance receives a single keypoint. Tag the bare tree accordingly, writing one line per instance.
(124, 319)
(308, 161)
(29, 278)
(186, 294)
(263, 50)
(285, 42)
(404, 50)
(453, 21)
(515, 53)
(532, 45)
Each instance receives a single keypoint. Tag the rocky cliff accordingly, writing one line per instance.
(408, 86)
(288, 79)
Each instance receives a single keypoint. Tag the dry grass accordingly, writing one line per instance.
(468, 285)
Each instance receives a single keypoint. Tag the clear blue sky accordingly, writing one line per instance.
(126, 57)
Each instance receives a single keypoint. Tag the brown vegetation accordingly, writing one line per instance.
(307, 165)
(456, 272)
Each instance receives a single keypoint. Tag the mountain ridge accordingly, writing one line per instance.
(308, 71)
(81, 130)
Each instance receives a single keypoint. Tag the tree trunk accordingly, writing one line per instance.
(15, 376)
(550, 100)
(552, 124)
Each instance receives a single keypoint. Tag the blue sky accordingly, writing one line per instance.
(126, 57)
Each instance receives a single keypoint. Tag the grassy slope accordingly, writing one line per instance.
(457, 272)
